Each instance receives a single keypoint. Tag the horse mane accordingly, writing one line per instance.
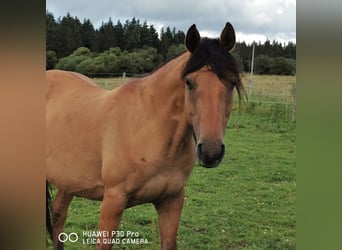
(220, 61)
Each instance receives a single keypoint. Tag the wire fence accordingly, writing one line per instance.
(284, 102)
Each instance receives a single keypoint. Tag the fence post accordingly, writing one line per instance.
(250, 84)
(293, 102)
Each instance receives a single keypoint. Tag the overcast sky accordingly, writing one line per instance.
(252, 19)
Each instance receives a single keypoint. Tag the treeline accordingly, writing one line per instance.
(136, 48)
(270, 58)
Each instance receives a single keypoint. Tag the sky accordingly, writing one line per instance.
(253, 20)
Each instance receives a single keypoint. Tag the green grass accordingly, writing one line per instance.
(247, 202)
(110, 83)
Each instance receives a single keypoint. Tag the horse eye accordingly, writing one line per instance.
(189, 83)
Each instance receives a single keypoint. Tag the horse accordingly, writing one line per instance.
(139, 142)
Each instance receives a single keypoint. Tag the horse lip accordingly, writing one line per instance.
(212, 165)
(209, 162)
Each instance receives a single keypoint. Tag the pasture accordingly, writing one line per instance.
(247, 202)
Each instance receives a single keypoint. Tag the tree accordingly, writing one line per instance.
(72, 61)
(179, 37)
(165, 41)
(106, 36)
(119, 34)
(88, 35)
(282, 66)
(132, 35)
(290, 50)
(70, 34)
(51, 32)
(154, 37)
(82, 51)
(262, 64)
(51, 59)
(109, 60)
(149, 59)
(175, 50)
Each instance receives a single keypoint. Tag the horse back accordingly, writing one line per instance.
(61, 81)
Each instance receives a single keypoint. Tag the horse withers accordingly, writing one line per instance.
(135, 144)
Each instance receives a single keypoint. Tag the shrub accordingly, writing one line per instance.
(262, 64)
(282, 66)
(51, 59)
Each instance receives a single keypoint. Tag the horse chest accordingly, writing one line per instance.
(166, 182)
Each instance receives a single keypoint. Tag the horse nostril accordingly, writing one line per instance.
(199, 148)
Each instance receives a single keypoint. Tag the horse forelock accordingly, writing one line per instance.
(219, 60)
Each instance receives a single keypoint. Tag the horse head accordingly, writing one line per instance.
(210, 76)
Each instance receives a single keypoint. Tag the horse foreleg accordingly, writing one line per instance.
(169, 212)
(59, 213)
(113, 205)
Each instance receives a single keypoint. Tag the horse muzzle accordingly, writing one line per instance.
(210, 154)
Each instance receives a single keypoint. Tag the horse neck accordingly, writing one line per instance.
(164, 93)
(165, 87)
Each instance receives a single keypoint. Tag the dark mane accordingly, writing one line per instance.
(220, 61)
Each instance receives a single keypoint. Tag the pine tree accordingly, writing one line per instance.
(88, 35)
(165, 42)
(71, 30)
(106, 36)
(132, 34)
(119, 34)
(51, 32)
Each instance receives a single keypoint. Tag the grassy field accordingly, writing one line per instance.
(247, 202)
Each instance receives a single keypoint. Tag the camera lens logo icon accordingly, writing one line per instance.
(72, 237)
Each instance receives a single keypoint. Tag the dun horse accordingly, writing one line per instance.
(135, 144)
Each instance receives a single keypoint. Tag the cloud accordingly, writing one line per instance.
(273, 19)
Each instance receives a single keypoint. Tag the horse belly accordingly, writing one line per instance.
(77, 177)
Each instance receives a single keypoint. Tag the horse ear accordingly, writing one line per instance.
(192, 39)
(227, 38)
